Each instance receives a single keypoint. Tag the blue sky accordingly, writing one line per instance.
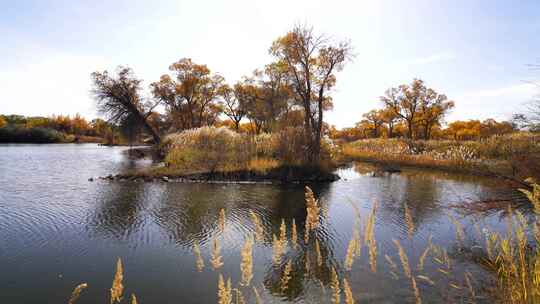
(476, 52)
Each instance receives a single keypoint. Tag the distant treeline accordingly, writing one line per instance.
(54, 129)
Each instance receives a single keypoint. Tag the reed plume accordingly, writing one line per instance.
(349, 299)
(318, 252)
(372, 246)
(404, 259)
(246, 266)
(283, 233)
(416, 291)
(224, 291)
(77, 293)
(334, 286)
(277, 249)
(294, 234)
(349, 257)
(285, 277)
(215, 258)
(259, 229)
(117, 287)
(199, 263)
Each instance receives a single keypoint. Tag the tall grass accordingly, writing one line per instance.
(513, 155)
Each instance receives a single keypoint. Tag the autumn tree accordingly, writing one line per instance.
(405, 101)
(118, 97)
(234, 106)
(190, 95)
(390, 118)
(310, 62)
(3, 122)
(433, 108)
(374, 120)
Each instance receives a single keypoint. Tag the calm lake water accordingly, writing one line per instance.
(57, 229)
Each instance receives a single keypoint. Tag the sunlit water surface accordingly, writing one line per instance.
(57, 229)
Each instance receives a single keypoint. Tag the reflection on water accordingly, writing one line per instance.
(58, 230)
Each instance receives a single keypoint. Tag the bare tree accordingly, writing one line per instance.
(118, 97)
(310, 61)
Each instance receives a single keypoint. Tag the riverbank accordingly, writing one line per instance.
(281, 174)
(511, 158)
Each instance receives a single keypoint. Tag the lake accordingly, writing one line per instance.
(57, 229)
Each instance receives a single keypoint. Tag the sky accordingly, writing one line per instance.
(478, 53)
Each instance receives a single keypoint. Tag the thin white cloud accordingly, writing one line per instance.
(434, 58)
(516, 90)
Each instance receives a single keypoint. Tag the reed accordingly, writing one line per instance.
(417, 297)
(283, 233)
(318, 253)
(404, 259)
(285, 277)
(334, 286)
(277, 249)
(77, 293)
(224, 291)
(294, 235)
(117, 288)
(215, 258)
(199, 262)
(349, 257)
(259, 228)
(246, 265)
(349, 299)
